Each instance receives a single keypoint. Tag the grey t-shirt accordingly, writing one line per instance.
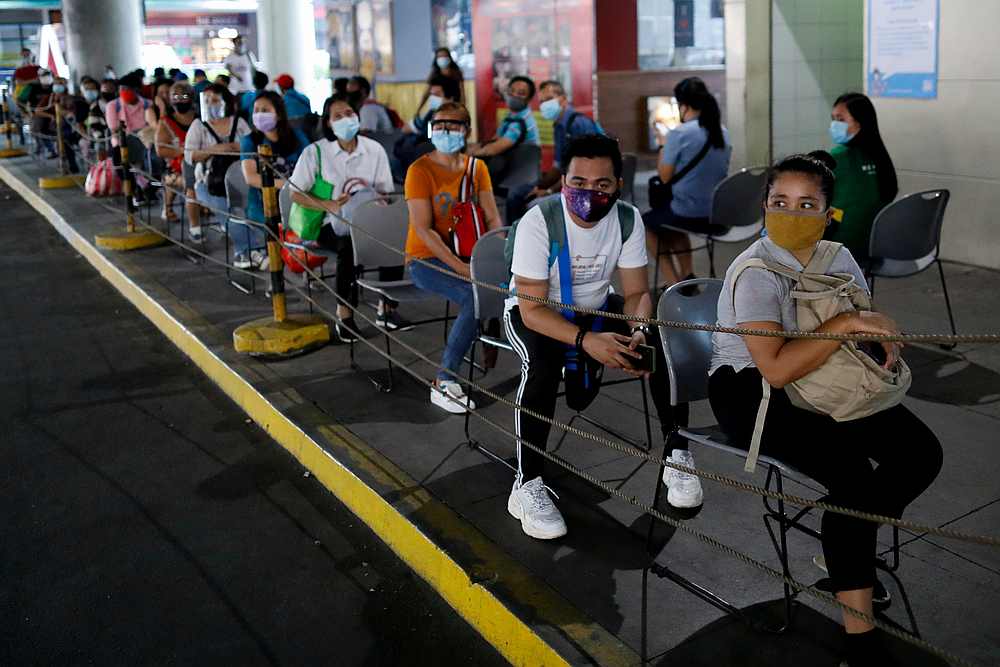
(763, 296)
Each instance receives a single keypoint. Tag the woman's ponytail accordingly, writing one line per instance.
(692, 92)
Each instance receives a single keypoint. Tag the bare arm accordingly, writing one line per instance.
(489, 204)
(493, 148)
(635, 288)
(252, 176)
(150, 116)
(665, 171)
(421, 221)
(782, 361)
(163, 143)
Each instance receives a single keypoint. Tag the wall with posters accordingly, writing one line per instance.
(952, 141)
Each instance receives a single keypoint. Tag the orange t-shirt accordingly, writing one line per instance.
(426, 179)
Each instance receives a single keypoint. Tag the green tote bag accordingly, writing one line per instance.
(306, 222)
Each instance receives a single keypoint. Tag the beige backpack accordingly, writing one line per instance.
(850, 384)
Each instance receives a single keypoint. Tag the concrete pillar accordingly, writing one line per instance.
(286, 38)
(102, 33)
(748, 81)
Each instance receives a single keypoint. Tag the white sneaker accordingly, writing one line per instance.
(448, 395)
(531, 504)
(683, 489)
(195, 233)
(259, 259)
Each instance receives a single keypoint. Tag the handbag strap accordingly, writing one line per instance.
(692, 164)
(466, 191)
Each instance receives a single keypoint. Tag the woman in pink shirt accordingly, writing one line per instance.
(130, 108)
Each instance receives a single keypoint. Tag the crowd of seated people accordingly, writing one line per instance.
(574, 237)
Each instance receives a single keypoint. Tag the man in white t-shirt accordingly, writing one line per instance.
(240, 65)
(602, 236)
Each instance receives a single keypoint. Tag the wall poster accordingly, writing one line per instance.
(903, 48)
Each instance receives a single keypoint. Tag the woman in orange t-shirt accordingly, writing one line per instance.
(432, 187)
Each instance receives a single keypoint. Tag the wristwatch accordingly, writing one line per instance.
(644, 328)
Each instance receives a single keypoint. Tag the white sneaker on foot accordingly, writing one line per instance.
(260, 260)
(195, 233)
(448, 395)
(540, 518)
(683, 489)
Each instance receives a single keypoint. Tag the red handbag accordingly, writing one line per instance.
(294, 258)
(468, 223)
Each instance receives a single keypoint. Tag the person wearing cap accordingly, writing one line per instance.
(296, 104)
(240, 66)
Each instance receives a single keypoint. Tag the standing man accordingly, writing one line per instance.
(240, 66)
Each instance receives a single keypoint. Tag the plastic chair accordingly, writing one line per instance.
(385, 228)
(688, 354)
(385, 139)
(237, 193)
(522, 166)
(630, 162)
(735, 216)
(906, 239)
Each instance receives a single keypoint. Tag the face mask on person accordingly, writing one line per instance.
(838, 132)
(183, 107)
(45, 80)
(434, 101)
(550, 109)
(90, 95)
(265, 121)
(59, 88)
(442, 62)
(216, 111)
(589, 205)
(795, 230)
(128, 96)
(107, 96)
(346, 128)
(515, 103)
(448, 142)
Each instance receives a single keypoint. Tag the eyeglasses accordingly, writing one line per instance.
(449, 125)
(180, 98)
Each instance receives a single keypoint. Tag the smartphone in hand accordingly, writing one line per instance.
(648, 361)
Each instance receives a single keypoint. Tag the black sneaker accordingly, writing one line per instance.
(391, 320)
(345, 329)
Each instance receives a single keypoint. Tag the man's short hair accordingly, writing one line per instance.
(448, 85)
(555, 85)
(531, 84)
(260, 80)
(362, 84)
(199, 72)
(592, 146)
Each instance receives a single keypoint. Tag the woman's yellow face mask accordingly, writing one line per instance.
(796, 213)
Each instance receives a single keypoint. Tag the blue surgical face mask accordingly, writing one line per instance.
(442, 62)
(90, 94)
(448, 142)
(550, 109)
(58, 88)
(838, 132)
(216, 111)
(346, 128)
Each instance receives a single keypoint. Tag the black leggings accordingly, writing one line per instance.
(839, 456)
(346, 285)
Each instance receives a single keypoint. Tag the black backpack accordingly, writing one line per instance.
(219, 164)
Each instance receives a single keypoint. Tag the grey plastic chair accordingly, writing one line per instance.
(736, 213)
(237, 192)
(688, 355)
(385, 139)
(906, 239)
(630, 162)
(523, 166)
(379, 245)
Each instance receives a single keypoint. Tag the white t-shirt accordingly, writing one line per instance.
(242, 65)
(368, 162)
(594, 253)
(199, 138)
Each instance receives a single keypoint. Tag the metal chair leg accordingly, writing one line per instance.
(947, 303)
(710, 246)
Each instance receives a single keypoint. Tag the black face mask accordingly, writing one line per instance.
(107, 97)
(183, 107)
(355, 98)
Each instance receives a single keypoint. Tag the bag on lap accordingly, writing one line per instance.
(306, 222)
(850, 384)
(215, 181)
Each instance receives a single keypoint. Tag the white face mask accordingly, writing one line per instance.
(443, 62)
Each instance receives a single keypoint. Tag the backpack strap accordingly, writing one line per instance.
(232, 130)
(753, 453)
(626, 220)
(208, 126)
(555, 223)
(689, 167)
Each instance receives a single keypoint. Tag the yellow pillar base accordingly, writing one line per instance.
(61, 182)
(129, 240)
(267, 338)
(12, 152)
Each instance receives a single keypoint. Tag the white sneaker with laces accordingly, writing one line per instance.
(683, 489)
(449, 396)
(530, 503)
(260, 260)
(195, 233)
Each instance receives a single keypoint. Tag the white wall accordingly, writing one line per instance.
(748, 71)
(954, 141)
(816, 54)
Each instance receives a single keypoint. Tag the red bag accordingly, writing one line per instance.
(295, 257)
(103, 179)
(468, 223)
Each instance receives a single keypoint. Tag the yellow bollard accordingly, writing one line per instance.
(130, 239)
(282, 334)
(63, 180)
(8, 125)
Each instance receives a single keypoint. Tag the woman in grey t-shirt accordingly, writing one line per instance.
(836, 454)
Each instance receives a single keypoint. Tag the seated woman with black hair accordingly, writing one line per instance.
(697, 150)
(837, 454)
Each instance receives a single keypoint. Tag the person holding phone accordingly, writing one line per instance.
(603, 236)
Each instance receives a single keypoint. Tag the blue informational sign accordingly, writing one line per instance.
(903, 48)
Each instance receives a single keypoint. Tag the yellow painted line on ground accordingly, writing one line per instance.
(517, 641)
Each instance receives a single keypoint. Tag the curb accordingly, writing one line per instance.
(514, 628)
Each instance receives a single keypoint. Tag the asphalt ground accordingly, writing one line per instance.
(146, 521)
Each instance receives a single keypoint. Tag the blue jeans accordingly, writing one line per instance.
(464, 329)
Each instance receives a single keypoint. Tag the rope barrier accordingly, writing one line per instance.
(651, 511)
